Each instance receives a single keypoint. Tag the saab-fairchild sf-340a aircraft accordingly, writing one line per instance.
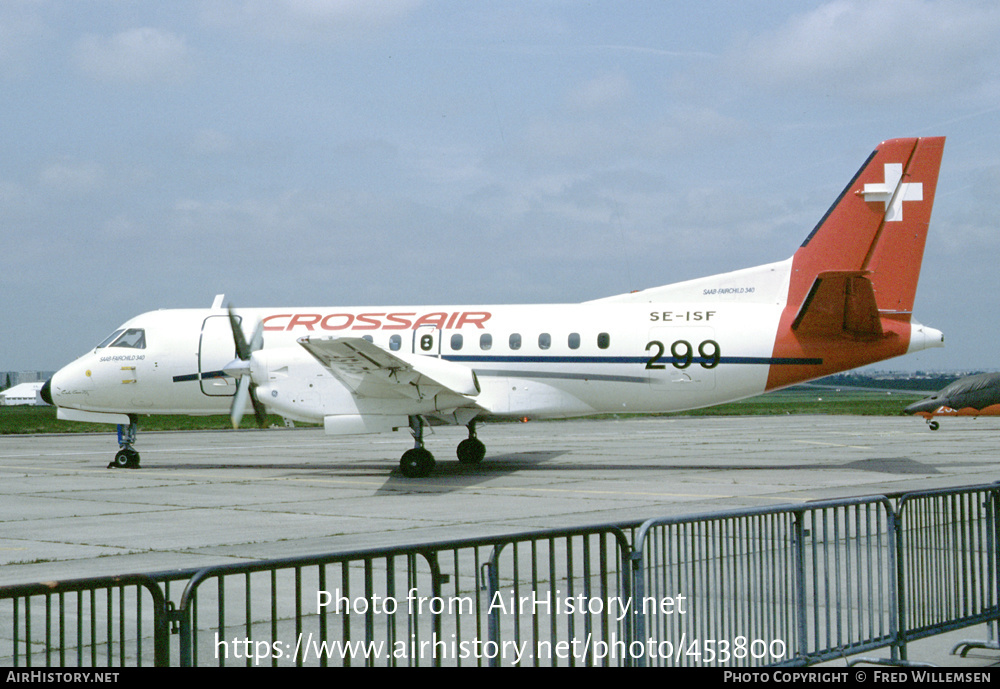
(844, 299)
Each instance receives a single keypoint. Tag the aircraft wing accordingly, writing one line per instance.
(371, 371)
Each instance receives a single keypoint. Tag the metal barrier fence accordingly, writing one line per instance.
(785, 585)
(947, 547)
(99, 622)
(494, 601)
(768, 586)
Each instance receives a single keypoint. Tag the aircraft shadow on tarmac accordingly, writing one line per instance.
(456, 475)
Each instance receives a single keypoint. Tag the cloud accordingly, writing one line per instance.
(22, 37)
(307, 19)
(73, 177)
(602, 92)
(138, 56)
(611, 139)
(881, 50)
(211, 142)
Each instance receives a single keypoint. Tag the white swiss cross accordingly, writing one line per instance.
(886, 192)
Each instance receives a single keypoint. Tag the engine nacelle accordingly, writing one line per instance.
(358, 424)
(290, 384)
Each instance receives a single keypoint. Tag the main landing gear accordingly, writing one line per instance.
(127, 457)
(418, 462)
(471, 450)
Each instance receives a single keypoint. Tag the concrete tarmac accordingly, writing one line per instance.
(207, 498)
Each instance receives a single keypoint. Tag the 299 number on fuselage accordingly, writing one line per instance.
(682, 354)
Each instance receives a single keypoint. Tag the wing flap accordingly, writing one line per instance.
(371, 371)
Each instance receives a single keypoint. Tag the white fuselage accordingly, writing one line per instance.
(558, 360)
(667, 349)
(681, 346)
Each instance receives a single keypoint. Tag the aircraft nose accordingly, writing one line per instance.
(926, 404)
(46, 392)
(70, 377)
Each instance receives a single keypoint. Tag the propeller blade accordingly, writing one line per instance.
(257, 339)
(243, 350)
(240, 401)
(241, 369)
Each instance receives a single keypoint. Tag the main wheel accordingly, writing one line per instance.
(933, 425)
(471, 451)
(416, 463)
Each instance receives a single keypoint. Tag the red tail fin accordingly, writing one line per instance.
(854, 278)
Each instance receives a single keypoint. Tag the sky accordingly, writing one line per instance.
(350, 152)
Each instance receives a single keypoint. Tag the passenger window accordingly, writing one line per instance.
(485, 341)
(544, 341)
(456, 342)
(574, 340)
(395, 342)
(515, 341)
(133, 338)
(369, 338)
(604, 340)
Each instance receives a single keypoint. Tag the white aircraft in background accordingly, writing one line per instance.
(843, 300)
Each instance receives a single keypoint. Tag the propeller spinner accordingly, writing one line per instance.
(240, 368)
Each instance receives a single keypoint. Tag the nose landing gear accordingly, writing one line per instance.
(127, 457)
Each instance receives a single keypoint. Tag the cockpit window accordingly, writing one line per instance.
(110, 338)
(133, 338)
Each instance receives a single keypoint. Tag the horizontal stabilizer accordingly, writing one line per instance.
(839, 303)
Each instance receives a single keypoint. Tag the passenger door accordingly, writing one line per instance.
(216, 348)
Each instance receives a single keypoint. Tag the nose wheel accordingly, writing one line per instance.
(127, 457)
